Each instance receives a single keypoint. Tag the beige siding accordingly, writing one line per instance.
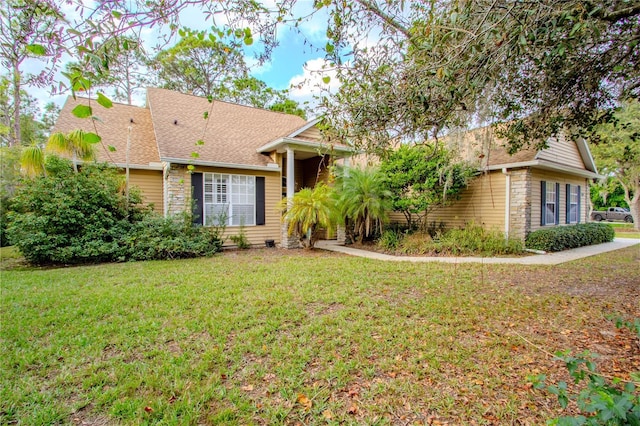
(562, 150)
(563, 179)
(150, 183)
(312, 133)
(273, 194)
(482, 201)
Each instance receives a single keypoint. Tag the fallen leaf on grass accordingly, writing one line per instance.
(247, 388)
(304, 401)
(327, 414)
(353, 409)
(148, 409)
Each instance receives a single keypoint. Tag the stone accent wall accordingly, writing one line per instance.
(520, 215)
(341, 234)
(288, 241)
(178, 182)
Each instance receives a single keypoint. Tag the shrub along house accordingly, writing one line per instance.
(521, 193)
(235, 166)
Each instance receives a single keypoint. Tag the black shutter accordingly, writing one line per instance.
(260, 201)
(557, 203)
(567, 215)
(197, 193)
(579, 202)
(543, 203)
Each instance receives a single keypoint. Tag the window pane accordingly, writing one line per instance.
(550, 214)
(216, 214)
(243, 214)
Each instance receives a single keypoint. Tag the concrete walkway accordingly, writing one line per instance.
(535, 259)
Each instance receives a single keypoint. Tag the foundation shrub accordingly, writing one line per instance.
(569, 237)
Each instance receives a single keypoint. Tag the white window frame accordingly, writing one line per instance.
(574, 202)
(550, 199)
(228, 195)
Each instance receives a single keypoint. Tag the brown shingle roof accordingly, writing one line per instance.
(231, 135)
(112, 125)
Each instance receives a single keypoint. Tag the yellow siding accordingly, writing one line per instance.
(257, 234)
(562, 150)
(563, 179)
(482, 201)
(150, 183)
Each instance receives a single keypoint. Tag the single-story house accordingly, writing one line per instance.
(235, 166)
(520, 193)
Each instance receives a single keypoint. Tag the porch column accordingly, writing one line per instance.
(341, 232)
(291, 181)
(289, 241)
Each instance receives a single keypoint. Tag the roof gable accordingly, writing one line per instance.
(231, 134)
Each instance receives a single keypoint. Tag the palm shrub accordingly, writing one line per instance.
(363, 200)
(309, 210)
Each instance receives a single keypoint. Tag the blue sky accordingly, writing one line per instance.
(293, 61)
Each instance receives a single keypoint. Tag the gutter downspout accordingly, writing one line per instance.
(507, 207)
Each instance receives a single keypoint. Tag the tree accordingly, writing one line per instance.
(421, 177)
(33, 130)
(28, 29)
(536, 66)
(205, 65)
(309, 210)
(77, 144)
(123, 70)
(606, 193)
(256, 93)
(363, 200)
(617, 153)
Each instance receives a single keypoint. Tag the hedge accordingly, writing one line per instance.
(569, 237)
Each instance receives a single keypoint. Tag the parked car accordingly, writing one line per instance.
(612, 213)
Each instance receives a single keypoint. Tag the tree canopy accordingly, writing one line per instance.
(617, 153)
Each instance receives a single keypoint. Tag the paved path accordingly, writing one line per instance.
(536, 259)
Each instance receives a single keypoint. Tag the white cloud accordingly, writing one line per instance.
(309, 85)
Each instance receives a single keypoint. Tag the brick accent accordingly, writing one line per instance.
(520, 214)
(178, 182)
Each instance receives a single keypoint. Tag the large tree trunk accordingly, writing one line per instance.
(17, 137)
(634, 204)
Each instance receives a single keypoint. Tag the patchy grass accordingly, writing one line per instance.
(269, 336)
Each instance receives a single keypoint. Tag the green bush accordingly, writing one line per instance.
(568, 237)
(70, 218)
(471, 240)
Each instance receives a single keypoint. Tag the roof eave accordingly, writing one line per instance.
(272, 167)
(287, 141)
(547, 165)
(307, 126)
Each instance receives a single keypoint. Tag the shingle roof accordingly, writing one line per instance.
(232, 134)
(112, 125)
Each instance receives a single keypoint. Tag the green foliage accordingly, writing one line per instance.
(310, 210)
(204, 66)
(240, 239)
(420, 177)
(600, 401)
(568, 237)
(616, 150)
(363, 201)
(67, 218)
(607, 193)
(473, 239)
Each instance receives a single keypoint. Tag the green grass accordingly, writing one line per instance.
(274, 337)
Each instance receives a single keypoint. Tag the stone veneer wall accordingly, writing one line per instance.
(520, 215)
(288, 241)
(178, 182)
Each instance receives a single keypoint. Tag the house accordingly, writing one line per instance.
(229, 163)
(520, 193)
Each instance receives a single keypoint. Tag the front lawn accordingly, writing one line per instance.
(276, 337)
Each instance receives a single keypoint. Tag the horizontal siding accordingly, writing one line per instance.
(273, 194)
(562, 150)
(481, 202)
(563, 179)
(150, 183)
(312, 133)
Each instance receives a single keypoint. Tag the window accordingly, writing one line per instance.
(573, 203)
(229, 199)
(549, 203)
